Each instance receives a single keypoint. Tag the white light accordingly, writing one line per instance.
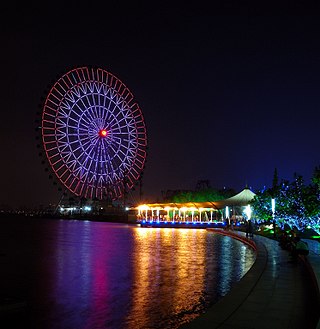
(248, 211)
(227, 212)
(273, 205)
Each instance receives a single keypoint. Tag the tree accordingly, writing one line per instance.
(275, 184)
(316, 176)
(316, 181)
(202, 195)
(261, 205)
(297, 204)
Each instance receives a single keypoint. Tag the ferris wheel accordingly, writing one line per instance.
(93, 134)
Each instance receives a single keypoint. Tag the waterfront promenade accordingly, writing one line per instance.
(275, 293)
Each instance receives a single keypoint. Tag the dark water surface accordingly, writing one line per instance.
(87, 275)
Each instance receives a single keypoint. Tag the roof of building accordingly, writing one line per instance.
(241, 199)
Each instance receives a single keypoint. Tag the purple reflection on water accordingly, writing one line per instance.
(99, 276)
(76, 274)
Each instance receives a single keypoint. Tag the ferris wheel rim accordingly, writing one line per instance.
(93, 133)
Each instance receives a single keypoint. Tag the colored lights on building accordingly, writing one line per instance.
(176, 213)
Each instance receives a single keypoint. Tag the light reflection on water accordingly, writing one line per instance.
(101, 275)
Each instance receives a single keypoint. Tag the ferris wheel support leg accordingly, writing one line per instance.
(60, 201)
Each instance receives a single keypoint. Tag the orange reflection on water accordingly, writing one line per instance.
(169, 263)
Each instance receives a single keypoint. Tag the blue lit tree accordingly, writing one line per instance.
(297, 204)
(314, 201)
(316, 181)
(262, 206)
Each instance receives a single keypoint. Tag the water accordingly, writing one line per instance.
(87, 275)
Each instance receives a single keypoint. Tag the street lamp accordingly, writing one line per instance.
(273, 208)
(248, 211)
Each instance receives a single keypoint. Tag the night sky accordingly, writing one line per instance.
(229, 93)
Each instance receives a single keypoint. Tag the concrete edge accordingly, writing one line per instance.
(311, 262)
(220, 312)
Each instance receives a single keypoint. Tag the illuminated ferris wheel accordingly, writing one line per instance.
(93, 134)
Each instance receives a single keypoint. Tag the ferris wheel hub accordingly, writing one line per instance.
(103, 133)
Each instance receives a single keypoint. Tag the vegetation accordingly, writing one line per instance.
(297, 205)
(202, 195)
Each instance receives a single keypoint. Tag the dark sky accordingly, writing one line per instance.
(228, 93)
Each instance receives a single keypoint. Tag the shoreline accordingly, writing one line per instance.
(255, 295)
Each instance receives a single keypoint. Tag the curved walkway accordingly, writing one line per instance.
(274, 293)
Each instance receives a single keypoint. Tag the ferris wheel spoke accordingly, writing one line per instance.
(95, 104)
(63, 149)
(55, 98)
(76, 106)
(117, 141)
(120, 129)
(101, 113)
(68, 158)
(123, 135)
(117, 156)
(92, 98)
(87, 100)
(60, 124)
(86, 167)
(66, 178)
(84, 131)
(56, 162)
(86, 156)
(124, 153)
(123, 125)
(62, 171)
(105, 116)
(108, 108)
(50, 110)
(71, 123)
(104, 105)
(86, 106)
(83, 105)
(101, 103)
(75, 77)
(114, 151)
(112, 170)
(73, 113)
(86, 144)
(83, 89)
(66, 104)
(94, 164)
(96, 116)
(59, 89)
(134, 172)
(70, 142)
(117, 119)
(47, 121)
(84, 125)
(70, 97)
(119, 101)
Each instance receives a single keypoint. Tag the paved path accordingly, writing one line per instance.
(275, 293)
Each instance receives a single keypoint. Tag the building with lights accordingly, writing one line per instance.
(216, 213)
